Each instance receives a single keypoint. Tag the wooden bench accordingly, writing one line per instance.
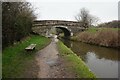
(30, 47)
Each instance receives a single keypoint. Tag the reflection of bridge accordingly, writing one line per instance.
(68, 27)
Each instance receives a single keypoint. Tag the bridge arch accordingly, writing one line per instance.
(67, 32)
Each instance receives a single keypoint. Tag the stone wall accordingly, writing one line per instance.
(42, 26)
(56, 22)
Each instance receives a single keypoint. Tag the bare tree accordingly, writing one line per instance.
(85, 18)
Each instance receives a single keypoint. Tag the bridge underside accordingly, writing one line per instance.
(67, 33)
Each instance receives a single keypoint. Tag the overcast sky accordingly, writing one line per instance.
(106, 10)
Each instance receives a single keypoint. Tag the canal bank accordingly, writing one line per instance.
(107, 37)
(101, 60)
(74, 63)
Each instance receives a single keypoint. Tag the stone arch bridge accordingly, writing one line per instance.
(68, 27)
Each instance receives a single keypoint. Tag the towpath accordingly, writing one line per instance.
(50, 64)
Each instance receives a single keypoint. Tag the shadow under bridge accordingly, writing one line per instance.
(67, 32)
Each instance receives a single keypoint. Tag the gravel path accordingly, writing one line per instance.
(50, 64)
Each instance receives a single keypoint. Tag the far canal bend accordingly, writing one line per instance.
(102, 61)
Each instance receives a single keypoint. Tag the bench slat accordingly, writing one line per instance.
(30, 47)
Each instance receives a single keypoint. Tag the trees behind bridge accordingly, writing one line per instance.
(17, 20)
(85, 18)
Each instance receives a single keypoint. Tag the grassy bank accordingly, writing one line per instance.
(100, 36)
(16, 62)
(76, 64)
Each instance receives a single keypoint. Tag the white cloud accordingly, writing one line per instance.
(106, 10)
(73, 0)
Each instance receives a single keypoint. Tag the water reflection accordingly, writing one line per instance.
(102, 61)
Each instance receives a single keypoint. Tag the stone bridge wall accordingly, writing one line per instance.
(43, 25)
(56, 22)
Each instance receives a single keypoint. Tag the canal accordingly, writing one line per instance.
(101, 60)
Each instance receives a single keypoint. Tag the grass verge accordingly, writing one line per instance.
(76, 64)
(16, 60)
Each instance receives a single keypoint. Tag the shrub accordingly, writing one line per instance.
(103, 37)
(17, 18)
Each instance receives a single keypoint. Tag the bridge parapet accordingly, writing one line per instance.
(55, 22)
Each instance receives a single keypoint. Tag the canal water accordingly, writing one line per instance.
(102, 61)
